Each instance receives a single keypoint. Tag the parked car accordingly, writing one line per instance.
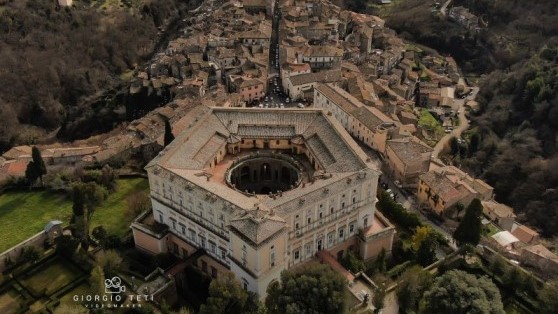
(398, 184)
(300, 105)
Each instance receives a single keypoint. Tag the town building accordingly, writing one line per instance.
(407, 158)
(447, 186)
(541, 258)
(258, 191)
(525, 234)
(499, 213)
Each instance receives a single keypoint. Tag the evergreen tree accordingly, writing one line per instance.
(311, 289)
(78, 202)
(31, 173)
(469, 230)
(427, 251)
(227, 296)
(35, 168)
(459, 292)
(38, 162)
(169, 137)
(414, 282)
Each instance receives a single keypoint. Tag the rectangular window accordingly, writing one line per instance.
(213, 272)
(351, 228)
(244, 255)
(296, 254)
(211, 246)
(204, 266)
(183, 228)
(173, 221)
(161, 220)
(202, 242)
(223, 253)
(192, 235)
(308, 249)
(331, 238)
(341, 233)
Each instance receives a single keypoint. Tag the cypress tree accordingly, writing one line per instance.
(469, 230)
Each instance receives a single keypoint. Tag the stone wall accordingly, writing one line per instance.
(13, 253)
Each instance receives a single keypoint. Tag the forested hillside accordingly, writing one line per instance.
(518, 122)
(53, 58)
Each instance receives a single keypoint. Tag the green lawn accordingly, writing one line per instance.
(52, 276)
(112, 213)
(23, 214)
(428, 122)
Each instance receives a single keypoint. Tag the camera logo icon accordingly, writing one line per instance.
(114, 285)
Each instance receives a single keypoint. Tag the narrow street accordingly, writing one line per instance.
(405, 198)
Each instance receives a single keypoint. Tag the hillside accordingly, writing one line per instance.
(53, 60)
(517, 57)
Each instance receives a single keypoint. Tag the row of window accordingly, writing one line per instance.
(321, 211)
(320, 245)
(191, 235)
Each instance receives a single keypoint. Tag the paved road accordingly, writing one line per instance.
(463, 125)
(407, 199)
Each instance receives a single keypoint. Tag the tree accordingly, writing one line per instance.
(379, 296)
(31, 173)
(169, 137)
(227, 296)
(138, 203)
(36, 167)
(108, 178)
(353, 263)
(426, 253)
(380, 261)
(474, 143)
(100, 234)
(459, 292)
(469, 230)
(91, 194)
(66, 245)
(110, 261)
(424, 245)
(30, 254)
(78, 201)
(421, 233)
(38, 162)
(548, 297)
(310, 289)
(414, 282)
(454, 145)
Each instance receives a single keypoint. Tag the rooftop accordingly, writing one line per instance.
(208, 130)
(408, 149)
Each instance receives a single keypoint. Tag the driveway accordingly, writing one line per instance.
(463, 125)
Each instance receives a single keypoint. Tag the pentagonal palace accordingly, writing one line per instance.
(257, 191)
